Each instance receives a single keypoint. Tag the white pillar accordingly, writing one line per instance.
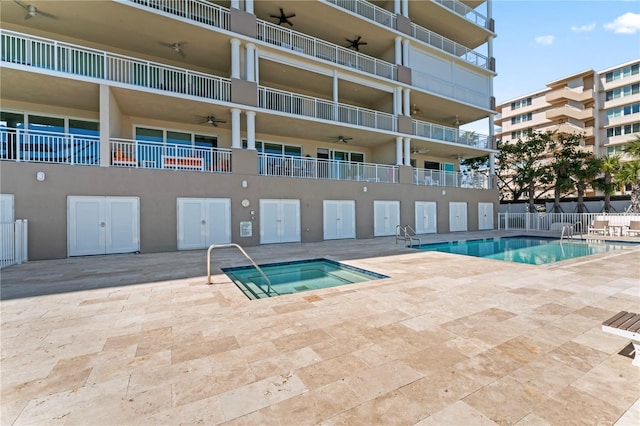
(336, 99)
(397, 100)
(235, 58)
(396, 7)
(405, 8)
(405, 52)
(256, 66)
(105, 130)
(251, 129)
(235, 128)
(399, 160)
(492, 164)
(235, 4)
(248, 6)
(251, 62)
(406, 102)
(398, 50)
(407, 151)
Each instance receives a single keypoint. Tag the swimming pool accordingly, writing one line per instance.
(295, 277)
(530, 250)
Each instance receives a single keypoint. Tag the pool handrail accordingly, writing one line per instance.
(213, 246)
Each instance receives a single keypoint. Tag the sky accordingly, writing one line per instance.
(539, 41)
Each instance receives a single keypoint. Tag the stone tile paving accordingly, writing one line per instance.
(141, 339)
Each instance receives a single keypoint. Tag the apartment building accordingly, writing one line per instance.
(604, 106)
(163, 125)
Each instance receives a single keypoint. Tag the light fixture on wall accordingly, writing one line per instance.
(364, 189)
(444, 192)
(244, 184)
(41, 176)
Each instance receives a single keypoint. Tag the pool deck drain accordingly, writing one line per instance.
(141, 339)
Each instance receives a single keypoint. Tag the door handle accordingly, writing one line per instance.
(204, 222)
(102, 224)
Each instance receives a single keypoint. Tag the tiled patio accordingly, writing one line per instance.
(141, 339)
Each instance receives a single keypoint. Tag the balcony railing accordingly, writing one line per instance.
(367, 10)
(48, 147)
(169, 156)
(466, 12)
(437, 85)
(450, 46)
(52, 55)
(470, 179)
(317, 168)
(196, 10)
(311, 46)
(450, 134)
(279, 100)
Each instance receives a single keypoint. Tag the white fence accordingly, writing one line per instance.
(49, 147)
(13, 242)
(470, 179)
(555, 221)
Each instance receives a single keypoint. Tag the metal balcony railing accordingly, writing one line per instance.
(293, 40)
(450, 134)
(53, 55)
(437, 85)
(170, 156)
(200, 11)
(367, 10)
(48, 147)
(466, 12)
(470, 179)
(317, 168)
(449, 46)
(279, 100)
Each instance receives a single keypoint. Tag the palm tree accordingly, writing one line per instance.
(629, 174)
(608, 166)
(633, 148)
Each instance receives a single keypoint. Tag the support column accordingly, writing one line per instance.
(399, 160)
(235, 128)
(398, 50)
(251, 130)
(235, 4)
(256, 66)
(248, 6)
(335, 95)
(405, 52)
(396, 7)
(492, 164)
(406, 102)
(251, 62)
(407, 151)
(105, 130)
(405, 8)
(235, 58)
(397, 100)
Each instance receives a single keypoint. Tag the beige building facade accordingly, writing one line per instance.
(150, 125)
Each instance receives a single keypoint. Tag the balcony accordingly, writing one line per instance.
(291, 103)
(318, 168)
(450, 134)
(200, 11)
(434, 84)
(51, 55)
(36, 146)
(565, 93)
(569, 111)
(293, 40)
(470, 179)
(367, 10)
(466, 12)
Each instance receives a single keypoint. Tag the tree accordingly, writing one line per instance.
(584, 174)
(629, 174)
(633, 148)
(608, 167)
(567, 162)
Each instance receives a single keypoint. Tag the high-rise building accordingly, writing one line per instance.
(161, 125)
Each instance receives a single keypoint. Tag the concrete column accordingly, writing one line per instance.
(336, 98)
(248, 6)
(235, 128)
(396, 7)
(251, 62)
(399, 160)
(405, 52)
(235, 4)
(105, 128)
(398, 50)
(251, 129)
(256, 66)
(407, 151)
(397, 100)
(405, 8)
(235, 58)
(492, 164)
(406, 102)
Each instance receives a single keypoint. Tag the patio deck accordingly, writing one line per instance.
(141, 339)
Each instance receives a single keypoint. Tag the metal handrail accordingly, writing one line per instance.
(213, 246)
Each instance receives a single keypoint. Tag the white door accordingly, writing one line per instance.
(279, 221)
(7, 229)
(485, 216)
(203, 221)
(426, 217)
(386, 216)
(6, 208)
(457, 216)
(339, 219)
(102, 225)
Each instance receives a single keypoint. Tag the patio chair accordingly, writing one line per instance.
(598, 227)
(634, 228)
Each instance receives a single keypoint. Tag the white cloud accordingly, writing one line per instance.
(545, 40)
(583, 28)
(629, 23)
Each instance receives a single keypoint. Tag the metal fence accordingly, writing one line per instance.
(470, 179)
(13, 242)
(555, 221)
(48, 147)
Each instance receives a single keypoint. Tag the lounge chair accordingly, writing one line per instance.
(634, 228)
(598, 227)
(626, 324)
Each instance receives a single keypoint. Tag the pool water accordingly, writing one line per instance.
(296, 277)
(533, 251)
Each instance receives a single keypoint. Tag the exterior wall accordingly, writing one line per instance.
(44, 204)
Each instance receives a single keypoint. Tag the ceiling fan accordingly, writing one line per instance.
(457, 122)
(419, 150)
(415, 110)
(210, 119)
(32, 11)
(355, 44)
(342, 139)
(283, 18)
(178, 47)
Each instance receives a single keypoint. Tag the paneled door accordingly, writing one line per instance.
(485, 216)
(203, 221)
(339, 219)
(279, 221)
(457, 216)
(426, 218)
(102, 225)
(386, 216)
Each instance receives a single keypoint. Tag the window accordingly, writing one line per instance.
(522, 118)
(276, 148)
(521, 103)
(622, 73)
(158, 144)
(623, 130)
(615, 150)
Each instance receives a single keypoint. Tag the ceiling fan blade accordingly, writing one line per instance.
(47, 15)
(22, 5)
(293, 15)
(28, 16)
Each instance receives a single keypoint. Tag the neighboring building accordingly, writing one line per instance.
(151, 125)
(604, 106)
